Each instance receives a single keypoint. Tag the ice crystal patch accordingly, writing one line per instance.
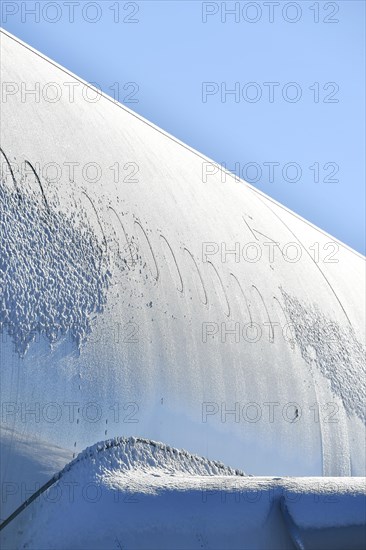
(53, 275)
(335, 351)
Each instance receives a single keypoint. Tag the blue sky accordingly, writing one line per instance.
(294, 124)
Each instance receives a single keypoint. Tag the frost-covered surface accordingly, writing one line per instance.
(325, 345)
(53, 278)
(133, 493)
(125, 454)
(165, 297)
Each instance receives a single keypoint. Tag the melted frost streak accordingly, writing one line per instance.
(52, 273)
(335, 351)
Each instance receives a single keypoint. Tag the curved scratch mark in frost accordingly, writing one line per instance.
(39, 183)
